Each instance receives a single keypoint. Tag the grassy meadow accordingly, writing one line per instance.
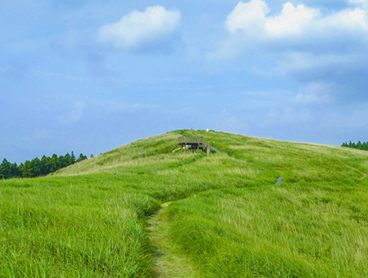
(227, 215)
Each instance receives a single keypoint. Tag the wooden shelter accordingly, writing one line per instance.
(194, 144)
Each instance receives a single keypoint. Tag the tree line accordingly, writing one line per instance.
(37, 167)
(359, 145)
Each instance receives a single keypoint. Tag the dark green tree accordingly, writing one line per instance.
(359, 145)
(45, 165)
(5, 169)
(54, 163)
(73, 157)
(37, 167)
(26, 169)
(81, 157)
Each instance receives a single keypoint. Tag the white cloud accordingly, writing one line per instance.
(141, 29)
(310, 45)
(315, 93)
(247, 17)
(346, 20)
(252, 21)
(363, 3)
(291, 22)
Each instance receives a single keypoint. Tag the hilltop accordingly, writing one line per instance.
(258, 207)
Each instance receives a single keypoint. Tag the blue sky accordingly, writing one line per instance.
(89, 76)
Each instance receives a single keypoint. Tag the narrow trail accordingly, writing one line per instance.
(169, 262)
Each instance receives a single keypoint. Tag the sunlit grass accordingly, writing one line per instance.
(274, 232)
(55, 231)
(227, 214)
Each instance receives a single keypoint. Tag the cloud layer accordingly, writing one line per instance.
(304, 44)
(142, 30)
(294, 22)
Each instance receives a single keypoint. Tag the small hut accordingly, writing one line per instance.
(193, 144)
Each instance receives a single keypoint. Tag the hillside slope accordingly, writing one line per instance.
(228, 215)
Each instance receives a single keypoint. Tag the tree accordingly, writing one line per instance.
(38, 167)
(45, 165)
(359, 145)
(26, 169)
(73, 159)
(54, 163)
(81, 157)
(67, 160)
(15, 173)
(35, 166)
(6, 169)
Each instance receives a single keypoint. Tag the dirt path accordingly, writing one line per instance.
(168, 260)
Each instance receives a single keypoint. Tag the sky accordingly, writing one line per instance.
(89, 76)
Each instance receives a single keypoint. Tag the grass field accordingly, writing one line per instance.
(226, 216)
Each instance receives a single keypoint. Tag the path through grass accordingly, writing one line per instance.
(90, 219)
(168, 260)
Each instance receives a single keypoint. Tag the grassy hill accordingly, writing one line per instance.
(225, 214)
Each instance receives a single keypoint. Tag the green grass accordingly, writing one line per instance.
(68, 231)
(274, 232)
(227, 215)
